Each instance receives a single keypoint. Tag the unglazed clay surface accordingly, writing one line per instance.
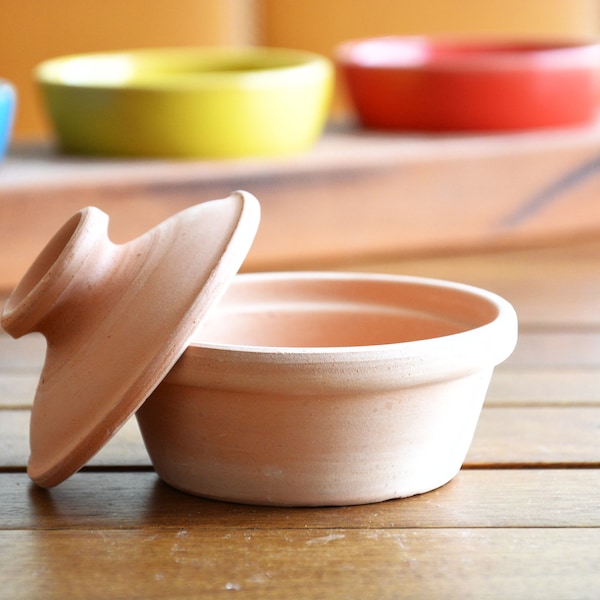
(328, 389)
(117, 317)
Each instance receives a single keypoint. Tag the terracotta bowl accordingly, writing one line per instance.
(7, 110)
(192, 102)
(328, 389)
(419, 83)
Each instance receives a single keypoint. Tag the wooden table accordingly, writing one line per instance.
(521, 520)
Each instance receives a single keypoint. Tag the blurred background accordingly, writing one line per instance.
(34, 30)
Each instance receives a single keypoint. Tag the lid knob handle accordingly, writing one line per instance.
(56, 289)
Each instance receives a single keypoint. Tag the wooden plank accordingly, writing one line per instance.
(339, 563)
(549, 286)
(356, 195)
(17, 391)
(138, 500)
(535, 436)
(23, 355)
(551, 349)
(505, 436)
(126, 449)
(561, 386)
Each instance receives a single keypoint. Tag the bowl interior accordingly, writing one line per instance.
(164, 67)
(337, 311)
(402, 52)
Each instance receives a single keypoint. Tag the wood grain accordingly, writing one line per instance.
(23, 355)
(126, 449)
(556, 349)
(137, 500)
(521, 520)
(17, 391)
(561, 386)
(337, 563)
(535, 436)
(551, 287)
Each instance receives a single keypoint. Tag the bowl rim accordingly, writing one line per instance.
(401, 364)
(496, 53)
(273, 65)
(503, 311)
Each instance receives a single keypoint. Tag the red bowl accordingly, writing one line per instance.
(419, 83)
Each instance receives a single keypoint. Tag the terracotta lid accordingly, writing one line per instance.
(117, 317)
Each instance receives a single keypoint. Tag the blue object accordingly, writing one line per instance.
(7, 111)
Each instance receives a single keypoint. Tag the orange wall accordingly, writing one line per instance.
(33, 30)
(319, 25)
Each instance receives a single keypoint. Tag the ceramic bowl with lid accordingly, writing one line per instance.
(295, 389)
(442, 85)
(328, 389)
(188, 102)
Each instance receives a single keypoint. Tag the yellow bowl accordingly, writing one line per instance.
(188, 102)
